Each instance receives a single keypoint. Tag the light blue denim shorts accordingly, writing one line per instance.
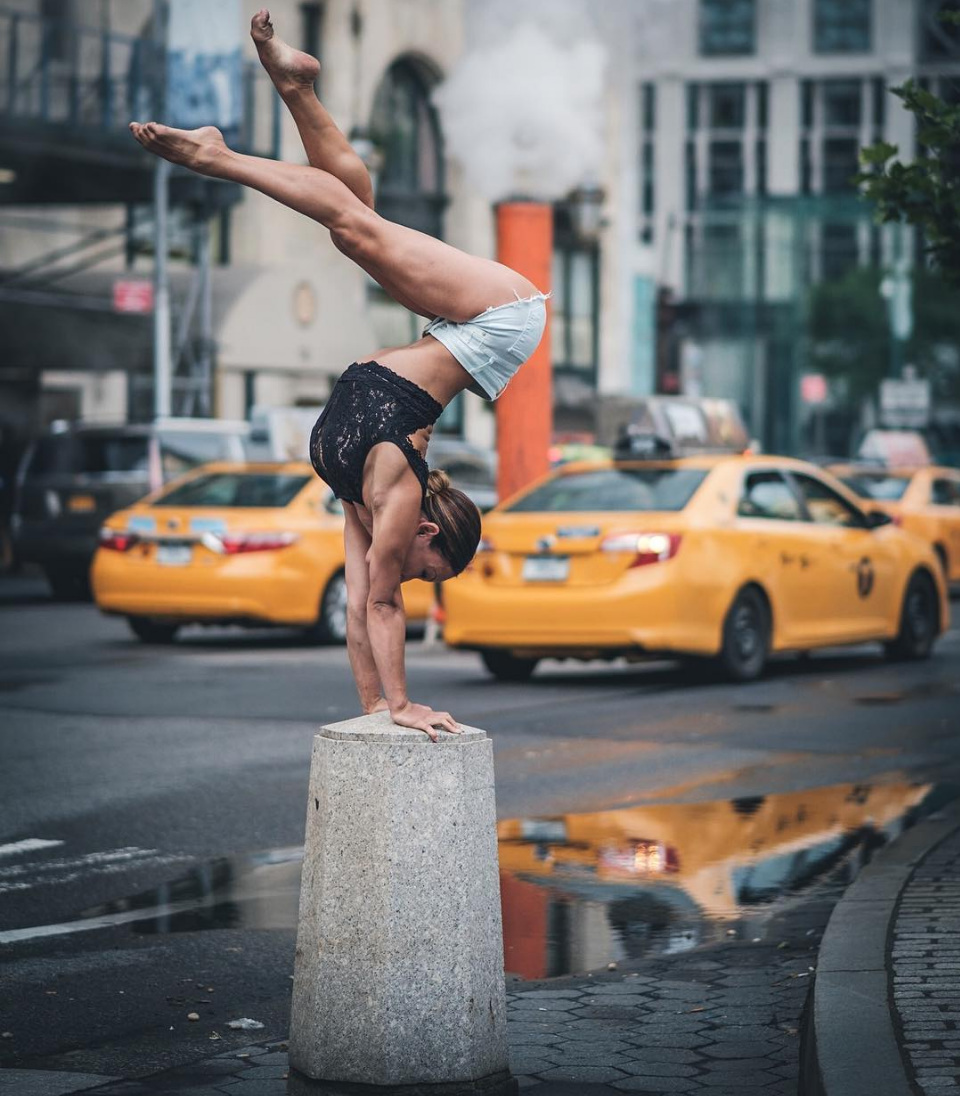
(493, 346)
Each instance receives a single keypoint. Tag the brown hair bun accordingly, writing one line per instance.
(456, 517)
(437, 482)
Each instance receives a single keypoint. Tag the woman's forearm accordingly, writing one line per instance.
(362, 662)
(387, 630)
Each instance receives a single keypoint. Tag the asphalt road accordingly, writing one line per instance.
(134, 764)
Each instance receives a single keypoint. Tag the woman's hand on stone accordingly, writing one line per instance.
(421, 717)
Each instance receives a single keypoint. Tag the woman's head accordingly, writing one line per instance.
(449, 531)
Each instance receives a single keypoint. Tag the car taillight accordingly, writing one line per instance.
(118, 540)
(646, 547)
(897, 519)
(235, 544)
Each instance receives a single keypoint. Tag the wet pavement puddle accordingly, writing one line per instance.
(581, 891)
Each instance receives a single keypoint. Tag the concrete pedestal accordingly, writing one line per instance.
(399, 967)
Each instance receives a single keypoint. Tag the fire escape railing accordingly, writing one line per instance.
(59, 73)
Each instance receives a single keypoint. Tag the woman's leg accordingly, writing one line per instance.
(294, 75)
(428, 276)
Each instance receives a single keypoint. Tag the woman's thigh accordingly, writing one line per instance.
(430, 277)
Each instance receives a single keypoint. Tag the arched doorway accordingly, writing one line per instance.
(405, 126)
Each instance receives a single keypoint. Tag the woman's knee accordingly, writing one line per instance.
(355, 232)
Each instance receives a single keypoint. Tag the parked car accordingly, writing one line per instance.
(233, 543)
(724, 557)
(925, 501)
(471, 468)
(75, 475)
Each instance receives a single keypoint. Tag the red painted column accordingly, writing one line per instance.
(525, 410)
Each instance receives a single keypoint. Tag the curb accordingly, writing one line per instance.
(850, 1045)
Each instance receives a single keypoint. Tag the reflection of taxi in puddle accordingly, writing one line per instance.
(924, 501)
(676, 867)
(726, 556)
(252, 544)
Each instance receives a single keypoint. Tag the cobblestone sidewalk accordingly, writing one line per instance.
(721, 1020)
(926, 970)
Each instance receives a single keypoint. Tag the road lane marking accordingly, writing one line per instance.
(45, 873)
(29, 844)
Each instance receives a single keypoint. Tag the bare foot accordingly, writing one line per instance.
(198, 149)
(290, 69)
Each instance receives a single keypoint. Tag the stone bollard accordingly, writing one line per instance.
(398, 978)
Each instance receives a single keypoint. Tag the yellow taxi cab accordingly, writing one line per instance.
(253, 544)
(925, 501)
(731, 557)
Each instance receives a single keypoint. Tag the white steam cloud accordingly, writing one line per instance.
(524, 116)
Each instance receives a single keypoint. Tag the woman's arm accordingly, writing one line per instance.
(356, 542)
(395, 507)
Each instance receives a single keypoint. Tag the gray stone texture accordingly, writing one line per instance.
(926, 986)
(398, 977)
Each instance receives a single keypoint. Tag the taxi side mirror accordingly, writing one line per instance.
(877, 518)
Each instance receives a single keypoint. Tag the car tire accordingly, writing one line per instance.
(507, 667)
(331, 623)
(68, 583)
(746, 636)
(919, 621)
(153, 631)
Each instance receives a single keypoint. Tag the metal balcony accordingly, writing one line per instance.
(67, 93)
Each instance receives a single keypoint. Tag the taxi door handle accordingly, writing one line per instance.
(786, 558)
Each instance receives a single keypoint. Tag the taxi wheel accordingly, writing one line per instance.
(746, 636)
(507, 667)
(68, 583)
(919, 620)
(152, 631)
(331, 623)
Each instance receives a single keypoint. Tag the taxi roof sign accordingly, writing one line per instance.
(665, 426)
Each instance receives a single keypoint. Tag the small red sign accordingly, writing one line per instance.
(813, 388)
(132, 296)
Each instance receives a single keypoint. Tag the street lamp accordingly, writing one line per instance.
(586, 208)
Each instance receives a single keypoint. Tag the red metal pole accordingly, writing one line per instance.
(525, 410)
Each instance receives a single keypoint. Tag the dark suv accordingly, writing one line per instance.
(77, 474)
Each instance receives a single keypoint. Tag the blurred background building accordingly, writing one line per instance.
(719, 248)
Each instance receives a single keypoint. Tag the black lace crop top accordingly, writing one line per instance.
(369, 404)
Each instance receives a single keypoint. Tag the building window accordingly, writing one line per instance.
(938, 41)
(728, 104)
(839, 250)
(732, 141)
(576, 301)
(58, 34)
(840, 163)
(727, 28)
(648, 159)
(726, 168)
(836, 118)
(405, 126)
(841, 26)
(842, 103)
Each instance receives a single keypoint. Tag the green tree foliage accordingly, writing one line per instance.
(850, 332)
(925, 193)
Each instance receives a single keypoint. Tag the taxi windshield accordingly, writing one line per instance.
(614, 489)
(880, 487)
(236, 489)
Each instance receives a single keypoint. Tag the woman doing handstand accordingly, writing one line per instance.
(369, 444)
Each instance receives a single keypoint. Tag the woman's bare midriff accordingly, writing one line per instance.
(428, 364)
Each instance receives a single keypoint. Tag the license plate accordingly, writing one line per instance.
(174, 555)
(81, 504)
(546, 569)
